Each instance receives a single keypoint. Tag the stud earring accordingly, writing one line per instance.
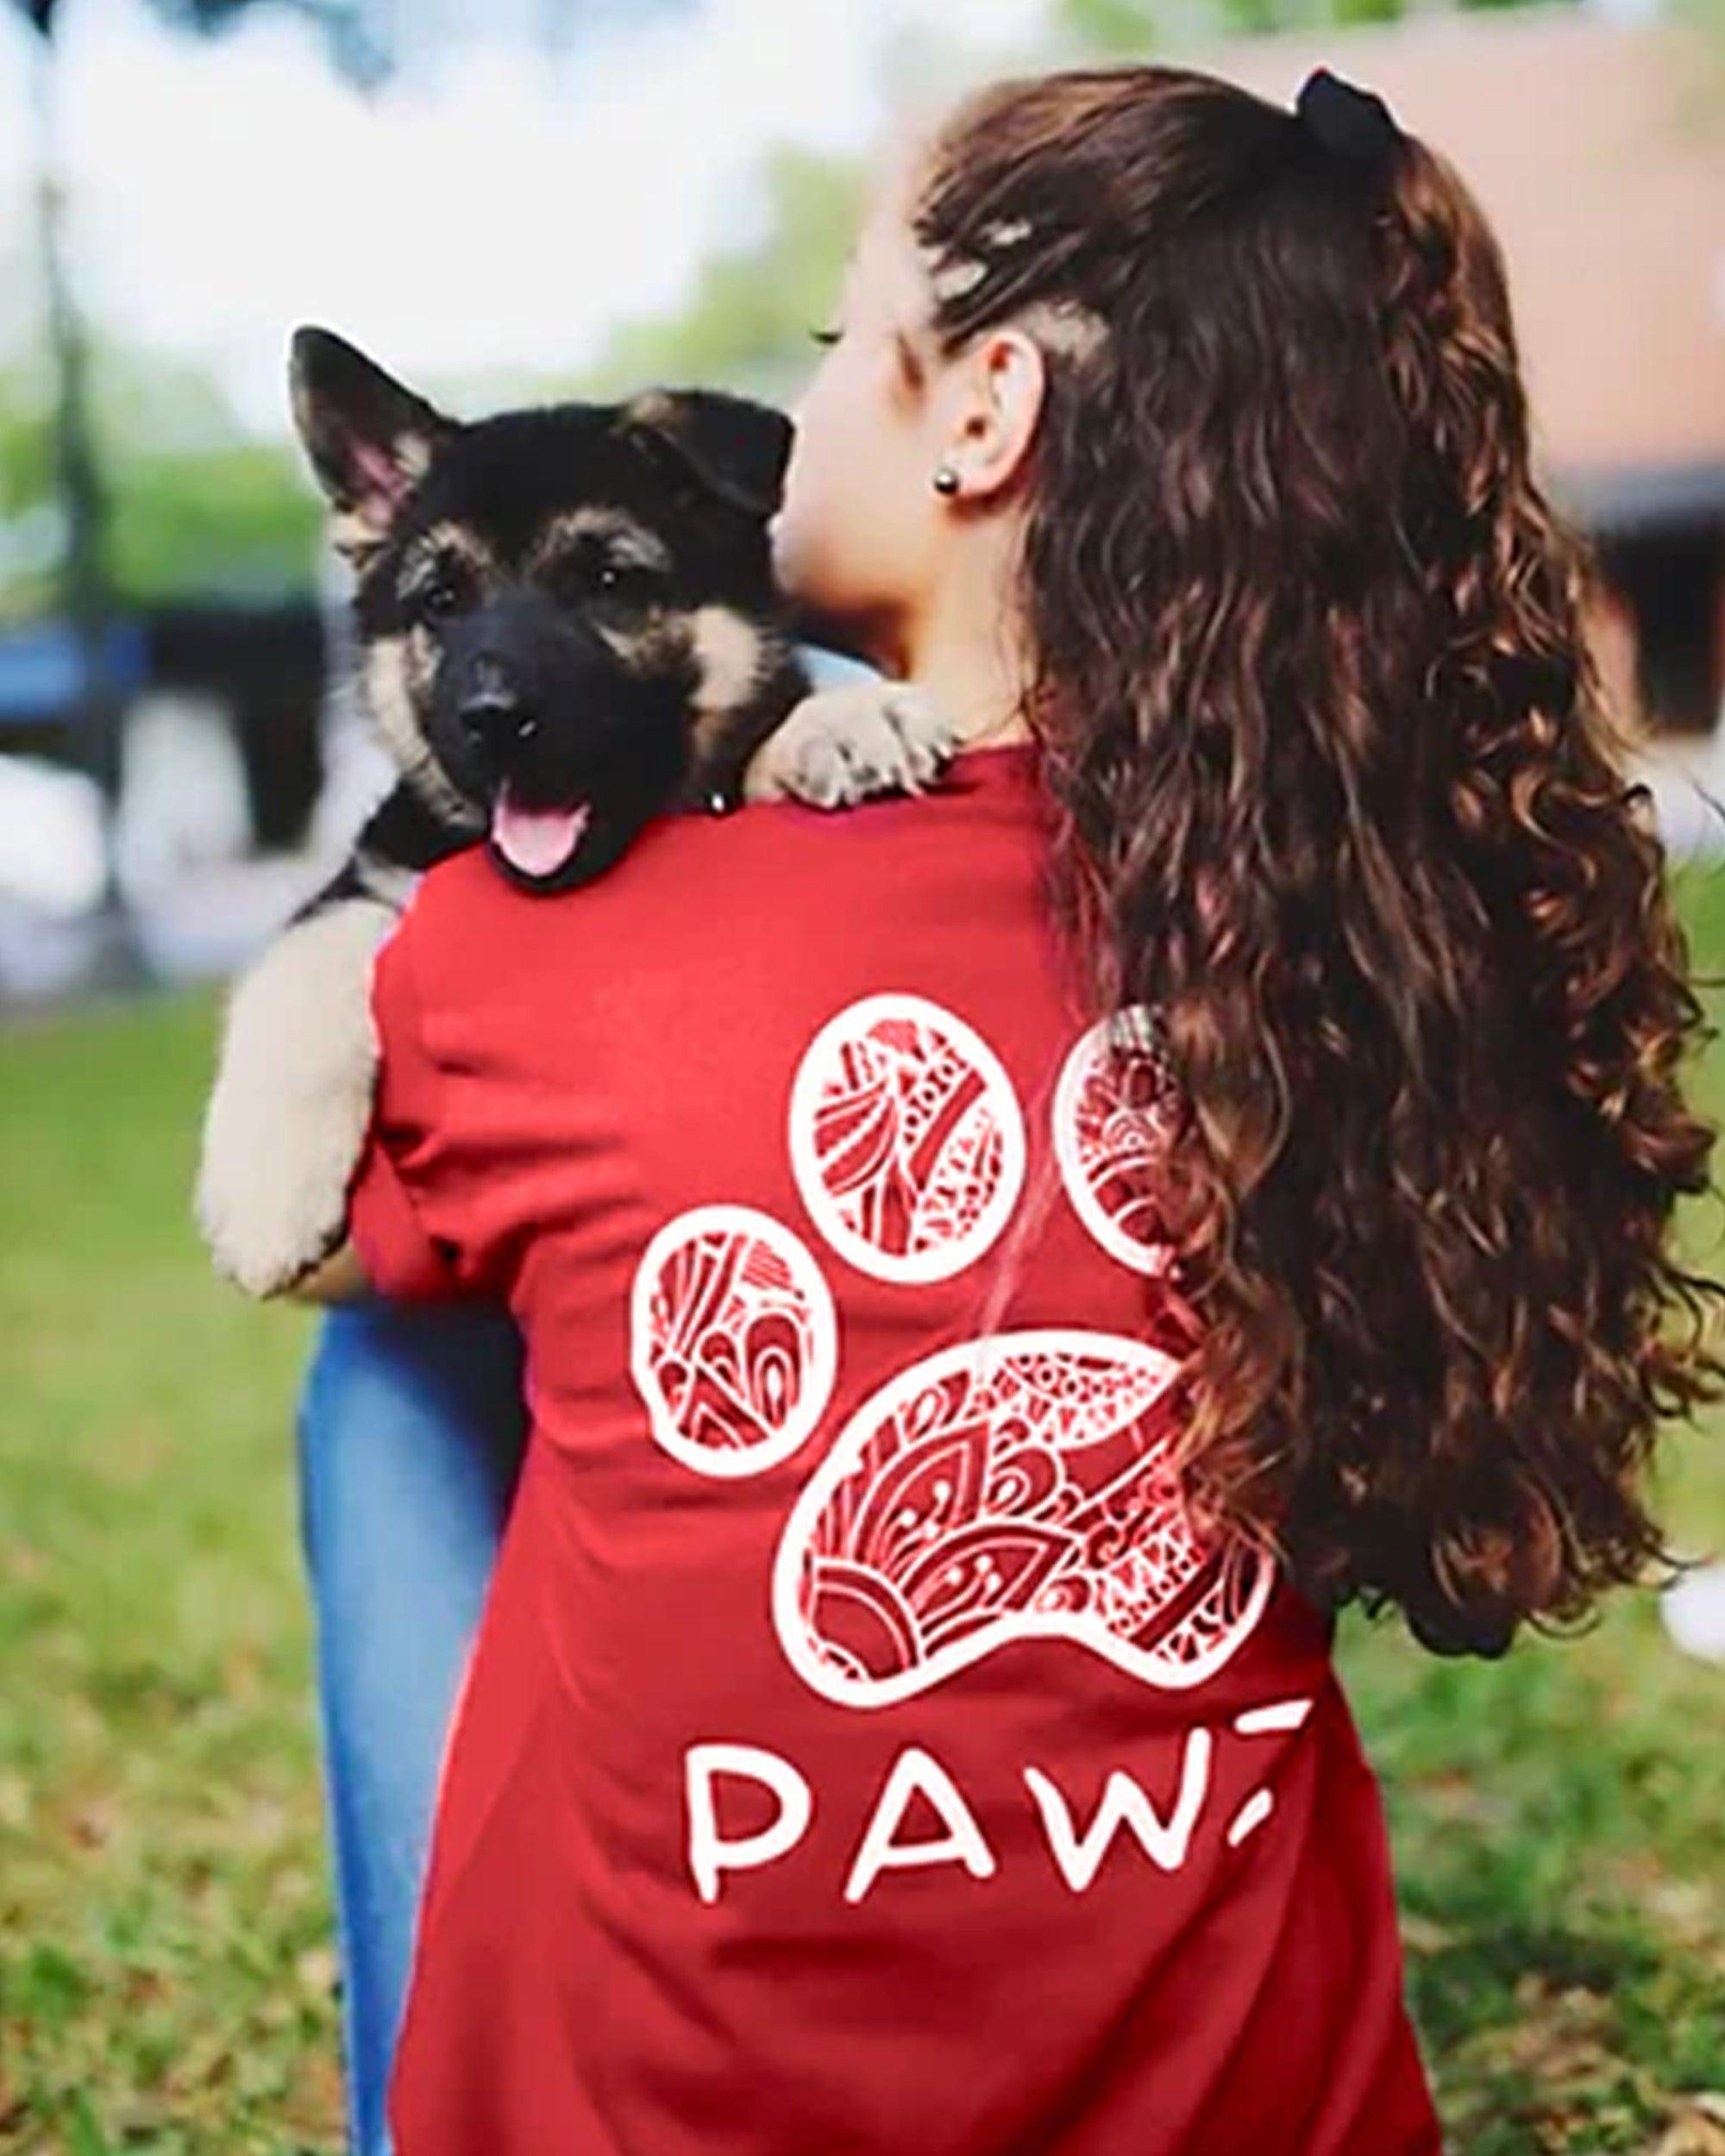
(946, 480)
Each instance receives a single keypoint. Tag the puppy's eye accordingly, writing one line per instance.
(627, 579)
(826, 336)
(439, 597)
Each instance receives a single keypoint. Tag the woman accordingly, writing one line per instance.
(1000, 1270)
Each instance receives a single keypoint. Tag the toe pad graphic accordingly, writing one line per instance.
(1114, 1110)
(906, 1138)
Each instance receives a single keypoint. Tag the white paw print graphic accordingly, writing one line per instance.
(1014, 1486)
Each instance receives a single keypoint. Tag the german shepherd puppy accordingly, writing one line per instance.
(567, 623)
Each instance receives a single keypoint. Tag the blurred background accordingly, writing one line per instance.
(531, 199)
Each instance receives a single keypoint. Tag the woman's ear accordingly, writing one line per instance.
(1004, 380)
(730, 447)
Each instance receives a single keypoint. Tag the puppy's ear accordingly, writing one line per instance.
(729, 446)
(370, 441)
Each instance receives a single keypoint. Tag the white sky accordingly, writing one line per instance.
(502, 209)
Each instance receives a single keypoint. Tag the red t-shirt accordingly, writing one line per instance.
(861, 1755)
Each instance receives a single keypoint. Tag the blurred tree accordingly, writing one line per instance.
(27, 476)
(746, 322)
(32, 527)
(1140, 26)
(359, 34)
(78, 489)
(193, 504)
(368, 40)
(364, 41)
(196, 505)
(1708, 17)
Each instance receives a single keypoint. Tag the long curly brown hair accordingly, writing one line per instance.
(1338, 804)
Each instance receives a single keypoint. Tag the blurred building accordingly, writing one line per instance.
(259, 666)
(1596, 147)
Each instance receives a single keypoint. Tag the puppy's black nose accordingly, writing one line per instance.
(497, 721)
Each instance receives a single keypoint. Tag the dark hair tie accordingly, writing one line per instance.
(1350, 123)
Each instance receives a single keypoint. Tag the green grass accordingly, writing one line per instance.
(167, 1982)
(165, 1978)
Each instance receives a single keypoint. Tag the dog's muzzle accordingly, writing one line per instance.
(521, 684)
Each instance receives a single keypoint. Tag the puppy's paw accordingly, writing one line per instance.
(840, 745)
(287, 1118)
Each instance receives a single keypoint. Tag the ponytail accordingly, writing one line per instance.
(1339, 800)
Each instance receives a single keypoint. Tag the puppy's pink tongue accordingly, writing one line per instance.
(536, 841)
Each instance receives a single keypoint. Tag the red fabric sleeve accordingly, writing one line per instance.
(407, 1237)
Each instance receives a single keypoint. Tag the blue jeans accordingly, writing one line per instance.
(412, 1430)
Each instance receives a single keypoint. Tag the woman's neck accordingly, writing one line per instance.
(978, 679)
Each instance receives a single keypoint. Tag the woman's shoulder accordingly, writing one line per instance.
(784, 857)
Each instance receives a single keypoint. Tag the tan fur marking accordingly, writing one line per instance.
(627, 541)
(656, 647)
(449, 537)
(354, 536)
(728, 651)
(706, 734)
(429, 553)
(388, 679)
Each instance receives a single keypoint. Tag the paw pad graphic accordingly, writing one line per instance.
(906, 1139)
(1114, 1111)
(1012, 1487)
(733, 1341)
